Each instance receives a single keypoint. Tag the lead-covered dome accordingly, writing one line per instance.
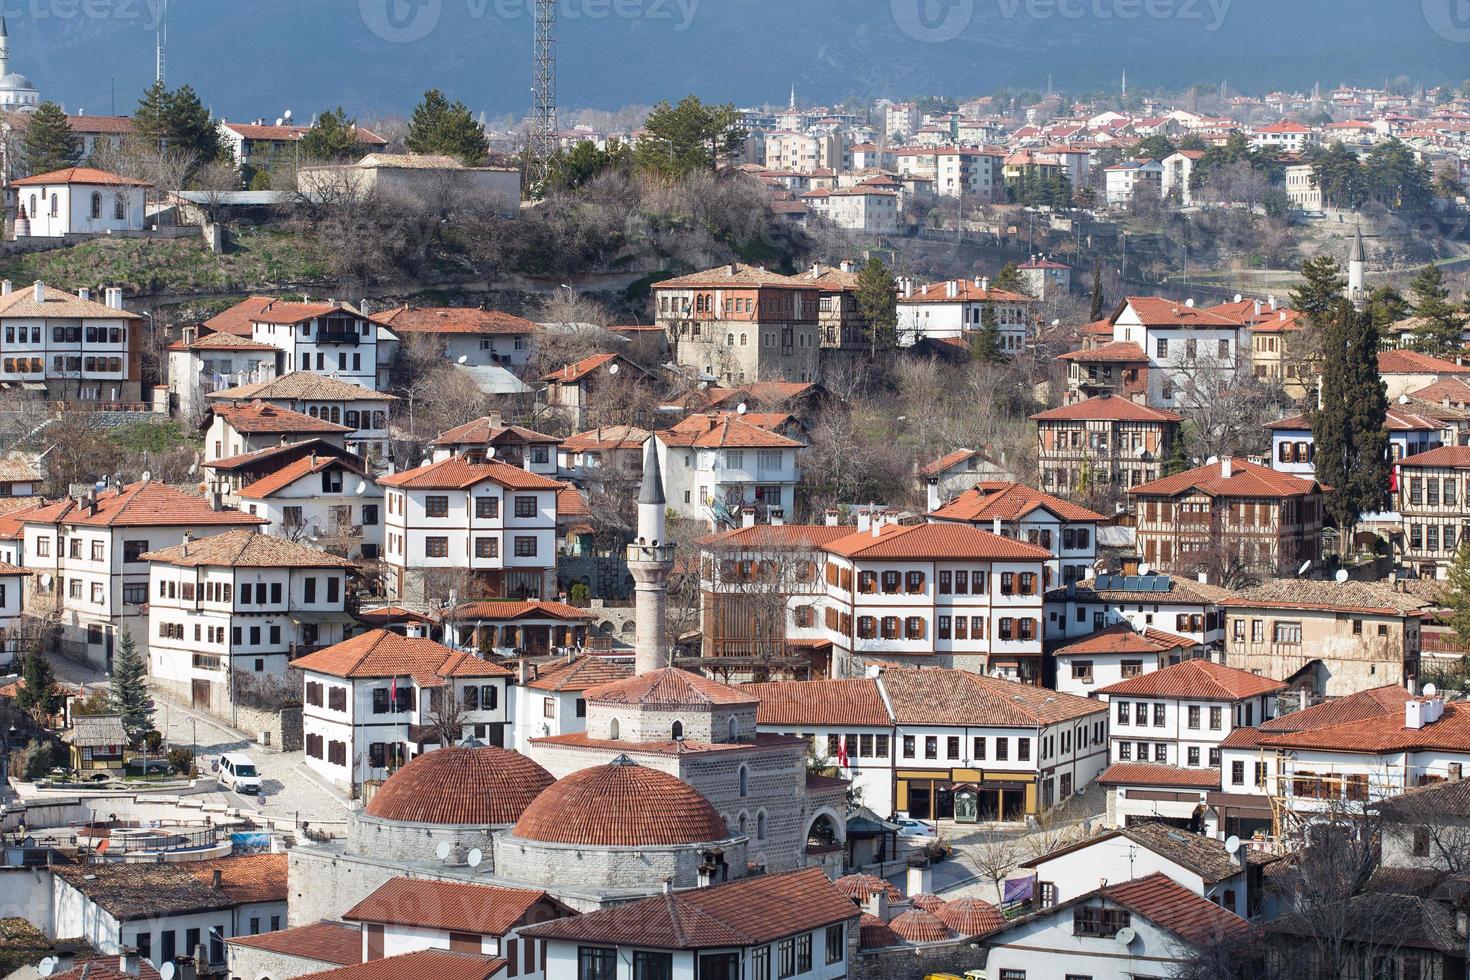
(461, 786)
(621, 804)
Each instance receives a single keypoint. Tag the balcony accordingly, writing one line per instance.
(350, 337)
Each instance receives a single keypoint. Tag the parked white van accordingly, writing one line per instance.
(238, 772)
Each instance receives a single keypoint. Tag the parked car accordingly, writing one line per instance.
(238, 772)
(914, 828)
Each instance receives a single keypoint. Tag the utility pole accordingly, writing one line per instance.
(161, 42)
(543, 113)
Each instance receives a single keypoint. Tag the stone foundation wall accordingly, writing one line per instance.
(248, 963)
(388, 840)
(278, 731)
(550, 866)
(909, 962)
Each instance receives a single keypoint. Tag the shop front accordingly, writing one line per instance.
(966, 795)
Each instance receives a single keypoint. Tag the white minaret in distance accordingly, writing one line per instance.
(651, 560)
(4, 48)
(1357, 291)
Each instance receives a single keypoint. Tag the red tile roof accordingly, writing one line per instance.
(947, 460)
(934, 541)
(971, 917)
(1122, 638)
(746, 912)
(1413, 362)
(847, 702)
(251, 131)
(966, 291)
(1371, 703)
(237, 319)
(578, 675)
(283, 312)
(862, 886)
(455, 320)
(259, 416)
(304, 385)
(1109, 408)
(144, 504)
(918, 926)
(1445, 457)
(604, 438)
(488, 910)
(958, 697)
(457, 473)
(245, 879)
(1148, 774)
(247, 548)
(927, 901)
(720, 430)
(462, 787)
(1006, 501)
(773, 537)
(268, 486)
(1381, 733)
(621, 804)
(670, 686)
(1196, 680)
(1154, 311)
(1171, 906)
(380, 653)
(484, 431)
(580, 369)
(1395, 420)
(874, 934)
(222, 341)
(1246, 480)
(734, 276)
(1455, 390)
(761, 392)
(500, 609)
(79, 175)
(325, 942)
(437, 963)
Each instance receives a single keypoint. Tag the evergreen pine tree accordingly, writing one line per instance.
(332, 137)
(1321, 290)
(1096, 312)
(190, 128)
(50, 143)
(151, 118)
(1351, 441)
(1457, 595)
(1439, 330)
(1178, 459)
(130, 688)
(1009, 279)
(985, 344)
(38, 695)
(446, 128)
(877, 301)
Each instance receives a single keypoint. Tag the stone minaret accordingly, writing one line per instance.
(1357, 290)
(4, 48)
(650, 560)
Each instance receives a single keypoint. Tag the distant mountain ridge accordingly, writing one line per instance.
(253, 58)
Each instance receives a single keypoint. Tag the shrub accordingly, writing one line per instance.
(182, 760)
(579, 592)
(153, 741)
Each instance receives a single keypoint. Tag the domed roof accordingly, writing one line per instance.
(862, 887)
(926, 901)
(971, 917)
(918, 926)
(621, 804)
(15, 81)
(873, 933)
(463, 786)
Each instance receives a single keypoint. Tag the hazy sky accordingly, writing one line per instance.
(259, 57)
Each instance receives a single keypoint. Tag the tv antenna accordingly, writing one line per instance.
(543, 95)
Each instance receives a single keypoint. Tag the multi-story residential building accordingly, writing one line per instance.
(1178, 172)
(1116, 653)
(966, 173)
(362, 410)
(572, 389)
(959, 308)
(608, 452)
(326, 338)
(843, 334)
(74, 348)
(373, 702)
(901, 120)
(1168, 728)
(478, 530)
(198, 366)
(467, 336)
(517, 628)
(717, 464)
(1045, 279)
(1132, 178)
(548, 699)
(865, 209)
(1229, 514)
(956, 472)
(261, 146)
(739, 323)
(13, 581)
(229, 475)
(1299, 180)
(88, 557)
(1284, 137)
(329, 500)
(1293, 447)
(1191, 351)
(1431, 497)
(1179, 606)
(1105, 441)
(943, 744)
(1410, 372)
(228, 612)
(1114, 368)
(241, 429)
(1016, 511)
(935, 594)
(490, 438)
(1334, 638)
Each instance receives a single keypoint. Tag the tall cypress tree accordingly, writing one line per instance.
(50, 143)
(1348, 429)
(1096, 313)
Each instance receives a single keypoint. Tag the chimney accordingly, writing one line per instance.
(1414, 715)
(127, 962)
(38, 291)
(995, 526)
(114, 298)
(414, 631)
(846, 265)
(6, 287)
(920, 879)
(1227, 468)
(217, 880)
(747, 517)
(830, 517)
(876, 527)
(1258, 309)
(951, 289)
(1272, 300)
(1204, 578)
(985, 284)
(733, 269)
(864, 520)
(978, 281)
(84, 293)
(523, 670)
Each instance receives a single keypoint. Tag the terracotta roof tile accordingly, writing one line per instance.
(1445, 457)
(1106, 408)
(875, 934)
(140, 891)
(1362, 597)
(380, 653)
(104, 967)
(301, 385)
(1172, 906)
(621, 804)
(1246, 480)
(498, 609)
(1363, 705)
(1382, 733)
(1196, 680)
(455, 320)
(1122, 638)
(283, 312)
(958, 697)
(245, 878)
(775, 537)
(861, 886)
(966, 291)
(934, 541)
(268, 486)
(1413, 362)
(79, 175)
(247, 548)
(222, 341)
(437, 963)
(605, 438)
(947, 460)
(145, 504)
(59, 303)
(854, 702)
(748, 912)
(1010, 502)
(718, 430)
(579, 674)
(670, 686)
(761, 392)
(1149, 774)
(325, 942)
(576, 371)
(918, 926)
(927, 901)
(301, 448)
(486, 432)
(1154, 311)
(736, 276)
(482, 787)
(457, 473)
(971, 917)
(237, 319)
(259, 416)
(488, 910)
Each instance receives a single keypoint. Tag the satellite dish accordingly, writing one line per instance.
(742, 408)
(280, 121)
(1056, 323)
(193, 468)
(474, 858)
(1144, 569)
(168, 971)
(612, 369)
(442, 851)
(1232, 844)
(1430, 690)
(361, 488)
(1305, 565)
(1124, 938)
(489, 452)
(1404, 399)
(1341, 576)
(45, 581)
(147, 475)
(47, 966)
(464, 358)
(1238, 298)
(287, 114)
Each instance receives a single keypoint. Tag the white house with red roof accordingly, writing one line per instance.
(1182, 344)
(230, 611)
(549, 698)
(78, 201)
(199, 365)
(260, 144)
(363, 411)
(88, 557)
(1016, 511)
(330, 500)
(471, 530)
(238, 429)
(1285, 136)
(1178, 170)
(958, 308)
(1089, 664)
(490, 438)
(717, 465)
(478, 337)
(1407, 372)
(1045, 278)
(70, 346)
(330, 338)
(1123, 180)
(572, 388)
(955, 472)
(375, 701)
(935, 594)
(1179, 606)
(869, 210)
